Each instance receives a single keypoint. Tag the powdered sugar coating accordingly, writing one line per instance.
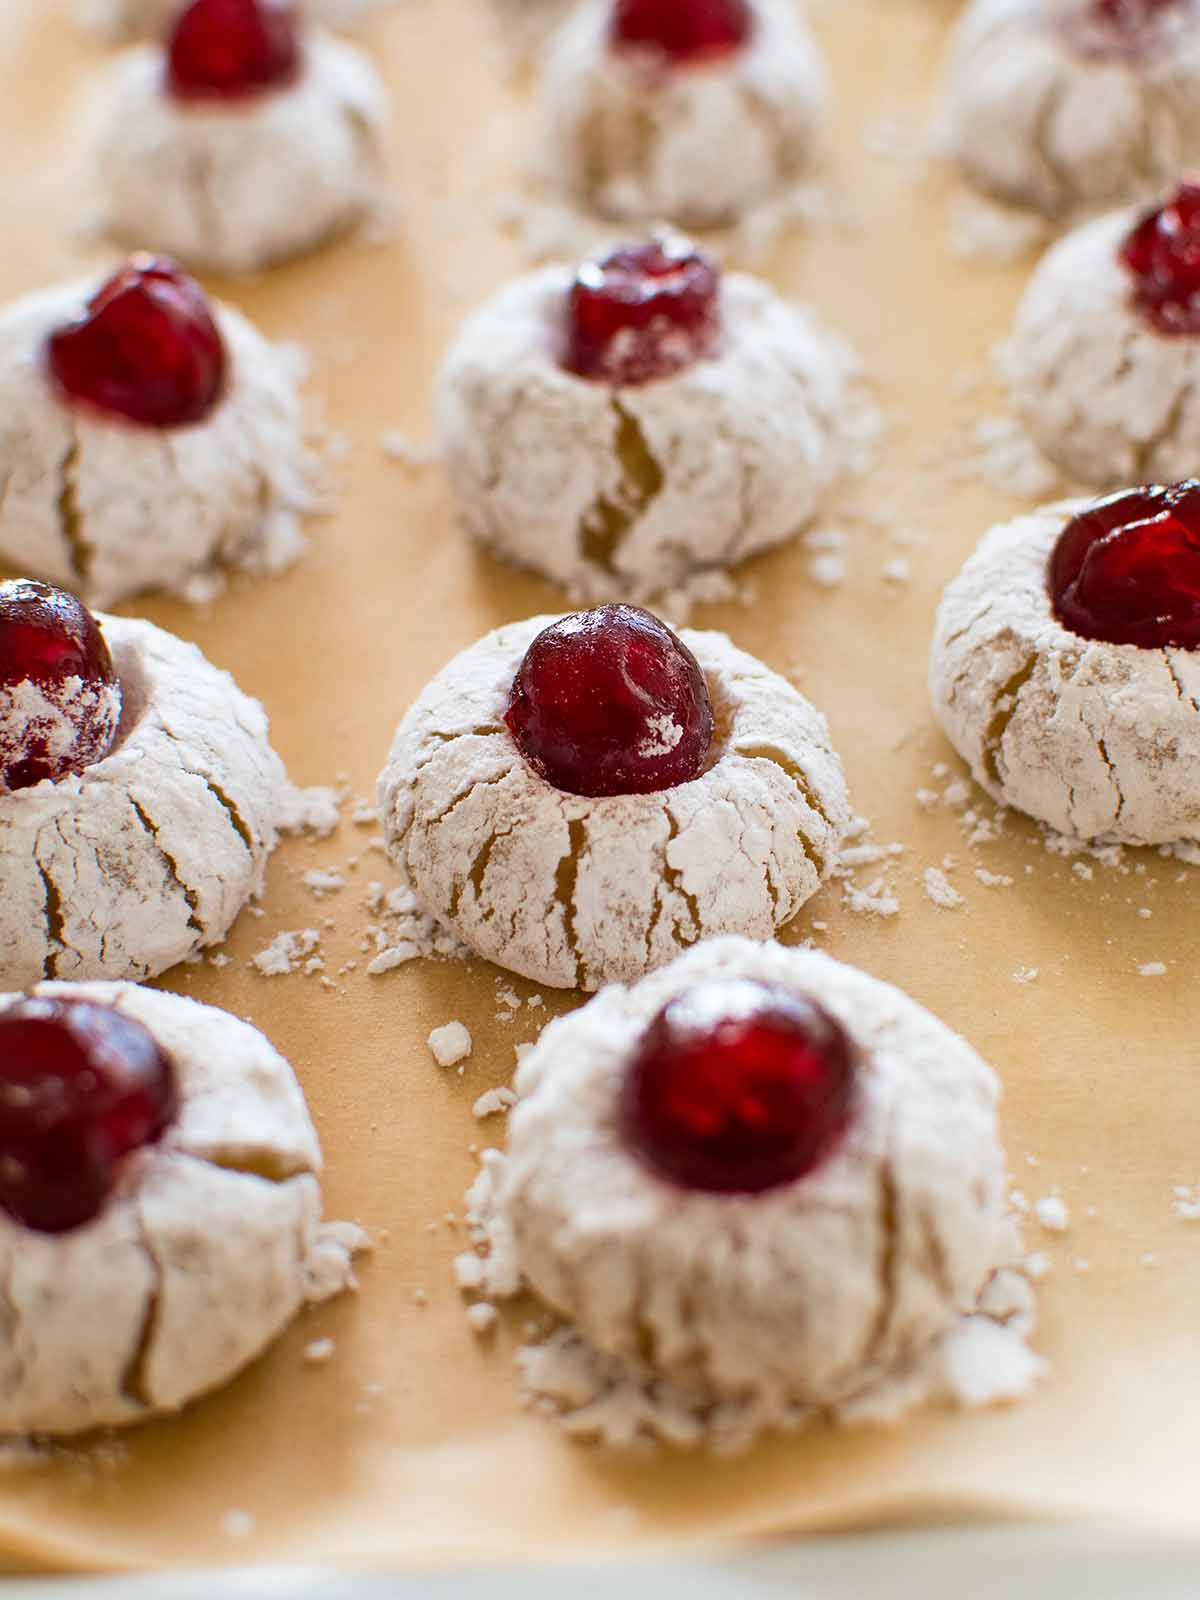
(1098, 740)
(148, 855)
(576, 892)
(1108, 399)
(633, 140)
(1035, 121)
(809, 1295)
(119, 20)
(234, 189)
(198, 1262)
(626, 492)
(105, 509)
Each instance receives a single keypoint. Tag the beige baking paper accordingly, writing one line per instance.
(410, 1445)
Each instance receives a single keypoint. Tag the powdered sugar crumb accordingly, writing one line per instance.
(1052, 1214)
(493, 1102)
(450, 1044)
(939, 889)
(286, 953)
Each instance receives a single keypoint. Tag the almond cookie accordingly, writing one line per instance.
(160, 1210)
(149, 439)
(1104, 359)
(644, 100)
(1057, 104)
(760, 1187)
(250, 139)
(139, 795)
(1066, 665)
(119, 20)
(579, 798)
(643, 420)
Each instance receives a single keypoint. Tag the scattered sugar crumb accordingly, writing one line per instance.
(394, 956)
(319, 1352)
(1081, 1264)
(286, 952)
(1025, 975)
(1052, 1214)
(1187, 1205)
(450, 1044)
(323, 883)
(1152, 969)
(315, 811)
(482, 1316)
(898, 571)
(1037, 1265)
(939, 889)
(220, 960)
(993, 880)
(399, 446)
(876, 900)
(237, 1524)
(493, 1102)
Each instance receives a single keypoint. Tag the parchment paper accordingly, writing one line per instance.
(410, 1445)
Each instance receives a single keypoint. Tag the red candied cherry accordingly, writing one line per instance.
(81, 1087)
(1163, 255)
(686, 32)
(60, 701)
(146, 348)
(611, 702)
(1127, 570)
(739, 1086)
(642, 313)
(232, 49)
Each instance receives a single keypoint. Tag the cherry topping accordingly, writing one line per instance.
(81, 1086)
(146, 348)
(739, 1086)
(60, 701)
(611, 702)
(232, 49)
(687, 32)
(642, 313)
(1163, 254)
(1128, 569)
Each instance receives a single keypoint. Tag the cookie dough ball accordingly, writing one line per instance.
(150, 440)
(1066, 666)
(137, 1281)
(691, 828)
(626, 427)
(740, 1270)
(146, 854)
(118, 21)
(1104, 360)
(231, 172)
(1055, 104)
(692, 113)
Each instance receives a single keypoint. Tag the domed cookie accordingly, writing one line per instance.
(150, 439)
(625, 428)
(1056, 104)
(139, 798)
(1104, 359)
(760, 1187)
(160, 1209)
(1066, 665)
(251, 139)
(643, 102)
(560, 798)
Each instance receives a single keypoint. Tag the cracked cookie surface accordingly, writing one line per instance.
(237, 189)
(633, 139)
(148, 855)
(576, 892)
(623, 493)
(108, 510)
(1034, 121)
(1107, 398)
(1098, 740)
(209, 1248)
(849, 1286)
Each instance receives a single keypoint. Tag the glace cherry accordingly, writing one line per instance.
(611, 702)
(739, 1086)
(81, 1087)
(642, 313)
(686, 32)
(146, 349)
(51, 645)
(1163, 256)
(1127, 570)
(233, 49)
